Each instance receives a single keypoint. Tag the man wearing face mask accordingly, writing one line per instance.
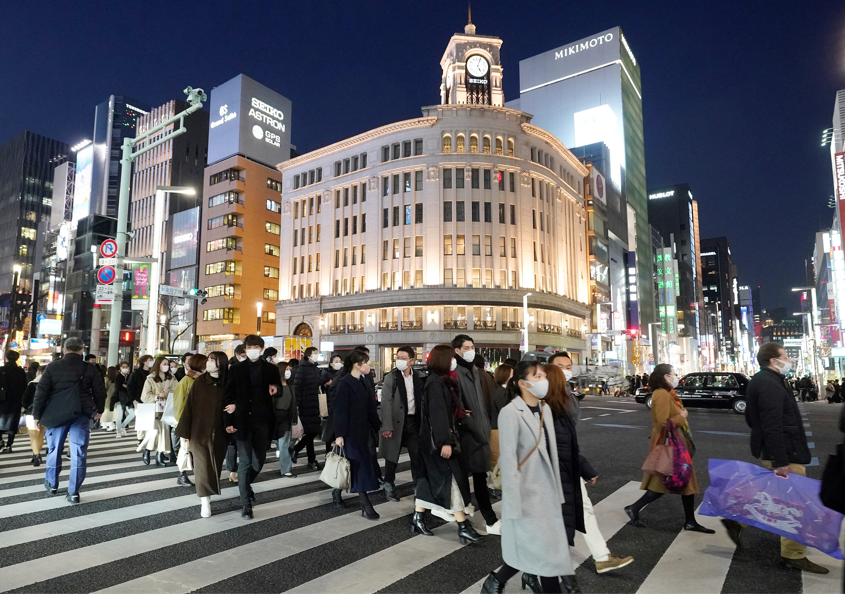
(250, 387)
(399, 425)
(475, 429)
(777, 438)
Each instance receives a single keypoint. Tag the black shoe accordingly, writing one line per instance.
(735, 530)
(635, 517)
(569, 585)
(696, 527)
(492, 585)
(530, 581)
(418, 524)
(160, 461)
(36, 460)
(313, 466)
(146, 457)
(367, 510)
(246, 512)
(293, 454)
(466, 532)
(73, 498)
(50, 488)
(184, 481)
(7, 450)
(390, 492)
(337, 498)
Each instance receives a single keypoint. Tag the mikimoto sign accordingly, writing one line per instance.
(839, 176)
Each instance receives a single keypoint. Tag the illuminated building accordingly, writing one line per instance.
(721, 320)
(439, 225)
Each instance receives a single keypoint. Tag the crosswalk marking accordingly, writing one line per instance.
(822, 584)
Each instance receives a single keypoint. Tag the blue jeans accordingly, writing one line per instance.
(79, 431)
(283, 444)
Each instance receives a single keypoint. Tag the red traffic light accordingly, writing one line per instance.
(127, 338)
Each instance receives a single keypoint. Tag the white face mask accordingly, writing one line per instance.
(673, 381)
(148, 365)
(454, 365)
(313, 358)
(164, 368)
(402, 364)
(469, 356)
(365, 369)
(287, 373)
(337, 366)
(253, 354)
(567, 373)
(124, 370)
(211, 366)
(539, 388)
(782, 367)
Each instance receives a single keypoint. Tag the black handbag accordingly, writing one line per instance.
(832, 492)
(64, 406)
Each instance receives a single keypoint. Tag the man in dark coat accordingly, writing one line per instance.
(400, 395)
(14, 382)
(250, 387)
(69, 394)
(777, 437)
(306, 382)
(475, 429)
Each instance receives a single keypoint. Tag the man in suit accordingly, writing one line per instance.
(400, 428)
(250, 388)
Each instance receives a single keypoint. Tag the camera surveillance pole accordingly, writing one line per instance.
(196, 97)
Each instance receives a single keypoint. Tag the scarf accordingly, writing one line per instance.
(684, 427)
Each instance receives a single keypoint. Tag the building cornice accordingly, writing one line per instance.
(424, 122)
(558, 145)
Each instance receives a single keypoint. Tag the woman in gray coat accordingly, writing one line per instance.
(533, 534)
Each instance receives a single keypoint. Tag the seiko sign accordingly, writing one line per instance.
(267, 114)
(584, 45)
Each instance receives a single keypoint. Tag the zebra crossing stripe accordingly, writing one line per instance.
(206, 571)
(89, 480)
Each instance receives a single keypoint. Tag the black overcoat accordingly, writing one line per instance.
(356, 420)
(240, 393)
(306, 381)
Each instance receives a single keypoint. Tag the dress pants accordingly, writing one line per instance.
(410, 441)
(79, 432)
(789, 549)
(252, 452)
(595, 541)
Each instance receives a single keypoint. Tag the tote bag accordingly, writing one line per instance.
(296, 431)
(145, 416)
(337, 472)
(168, 415)
(324, 403)
(679, 478)
(659, 460)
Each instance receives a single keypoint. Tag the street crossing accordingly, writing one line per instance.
(136, 531)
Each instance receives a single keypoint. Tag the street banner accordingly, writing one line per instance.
(140, 281)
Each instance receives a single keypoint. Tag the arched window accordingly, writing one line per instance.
(486, 145)
(473, 144)
(510, 147)
(447, 143)
(303, 329)
(461, 143)
(498, 145)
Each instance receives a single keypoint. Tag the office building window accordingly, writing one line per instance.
(459, 178)
(474, 176)
(498, 145)
(271, 294)
(272, 250)
(459, 211)
(447, 212)
(486, 145)
(406, 181)
(500, 179)
(418, 246)
(395, 249)
(273, 228)
(418, 180)
(418, 213)
(319, 227)
(385, 154)
(476, 245)
(345, 257)
(447, 245)
(363, 192)
(354, 225)
(395, 216)
(513, 247)
(418, 146)
(385, 186)
(476, 213)
(406, 245)
(355, 194)
(396, 182)
(346, 196)
(447, 179)
(337, 228)
(446, 144)
(476, 278)
(271, 272)
(295, 237)
(461, 144)
(385, 218)
(534, 219)
(406, 148)
(502, 214)
(336, 259)
(512, 181)
(488, 212)
(513, 214)
(488, 245)
(502, 251)
(473, 143)
(448, 279)
(461, 278)
(407, 214)
(486, 179)
(533, 188)
(459, 245)
(363, 225)
(385, 249)
(346, 227)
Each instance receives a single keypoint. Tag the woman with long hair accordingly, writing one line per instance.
(284, 402)
(442, 485)
(665, 406)
(107, 422)
(202, 429)
(355, 421)
(159, 383)
(533, 532)
(193, 367)
(36, 432)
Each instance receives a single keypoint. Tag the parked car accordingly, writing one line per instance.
(712, 389)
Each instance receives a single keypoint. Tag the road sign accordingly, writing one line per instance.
(106, 275)
(107, 261)
(108, 249)
(41, 316)
(171, 291)
(614, 333)
(104, 294)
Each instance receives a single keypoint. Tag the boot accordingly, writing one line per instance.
(146, 457)
(36, 460)
(532, 582)
(418, 524)
(205, 507)
(337, 499)
(184, 481)
(390, 492)
(160, 459)
(466, 532)
(492, 585)
(569, 585)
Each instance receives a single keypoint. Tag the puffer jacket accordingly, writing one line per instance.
(306, 382)
(63, 374)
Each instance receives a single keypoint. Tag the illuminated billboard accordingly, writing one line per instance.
(249, 119)
(82, 184)
(184, 238)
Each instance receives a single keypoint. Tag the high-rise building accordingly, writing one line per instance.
(249, 135)
(721, 300)
(439, 225)
(590, 91)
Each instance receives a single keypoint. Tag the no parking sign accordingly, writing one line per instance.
(106, 275)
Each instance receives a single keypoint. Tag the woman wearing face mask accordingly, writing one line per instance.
(331, 372)
(270, 355)
(442, 483)
(134, 389)
(107, 419)
(202, 429)
(120, 399)
(503, 374)
(194, 367)
(306, 380)
(356, 420)
(666, 405)
(285, 404)
(159, 383)
(534, 536)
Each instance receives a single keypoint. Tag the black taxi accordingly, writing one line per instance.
(709, 389)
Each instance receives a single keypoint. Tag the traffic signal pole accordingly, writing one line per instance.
(196, 97)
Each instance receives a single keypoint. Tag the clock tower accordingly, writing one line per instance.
(472, 70)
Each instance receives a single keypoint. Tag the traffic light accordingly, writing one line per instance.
(127, 338)
(198, 294)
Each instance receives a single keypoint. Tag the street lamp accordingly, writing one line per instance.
(258, 307)
(525, 322)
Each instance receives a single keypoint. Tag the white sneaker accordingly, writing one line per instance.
(443, 515)
(495, 528)
(205, 510)
(278, 454)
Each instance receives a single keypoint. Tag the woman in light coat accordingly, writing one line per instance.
(159, 383)
(533, 533)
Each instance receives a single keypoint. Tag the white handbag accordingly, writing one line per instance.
(145, 416)
(337, 473)
(296, 431)
(168, 415)
(184, 460)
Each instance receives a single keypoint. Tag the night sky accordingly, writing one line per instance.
(735, 94)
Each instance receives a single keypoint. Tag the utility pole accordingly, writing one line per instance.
(196, 97)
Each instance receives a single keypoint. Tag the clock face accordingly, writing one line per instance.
(477, 66)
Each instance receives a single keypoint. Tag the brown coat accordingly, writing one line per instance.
(201, 424)
(664, 407)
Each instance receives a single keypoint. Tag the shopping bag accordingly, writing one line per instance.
(145, 416)
(30, 423)
(788, 507)
(296, 431)
(659, 460)
(324, 403)
(832, 493)
(495, 477)
(681, 473)
(337, 472)
(168, 415)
